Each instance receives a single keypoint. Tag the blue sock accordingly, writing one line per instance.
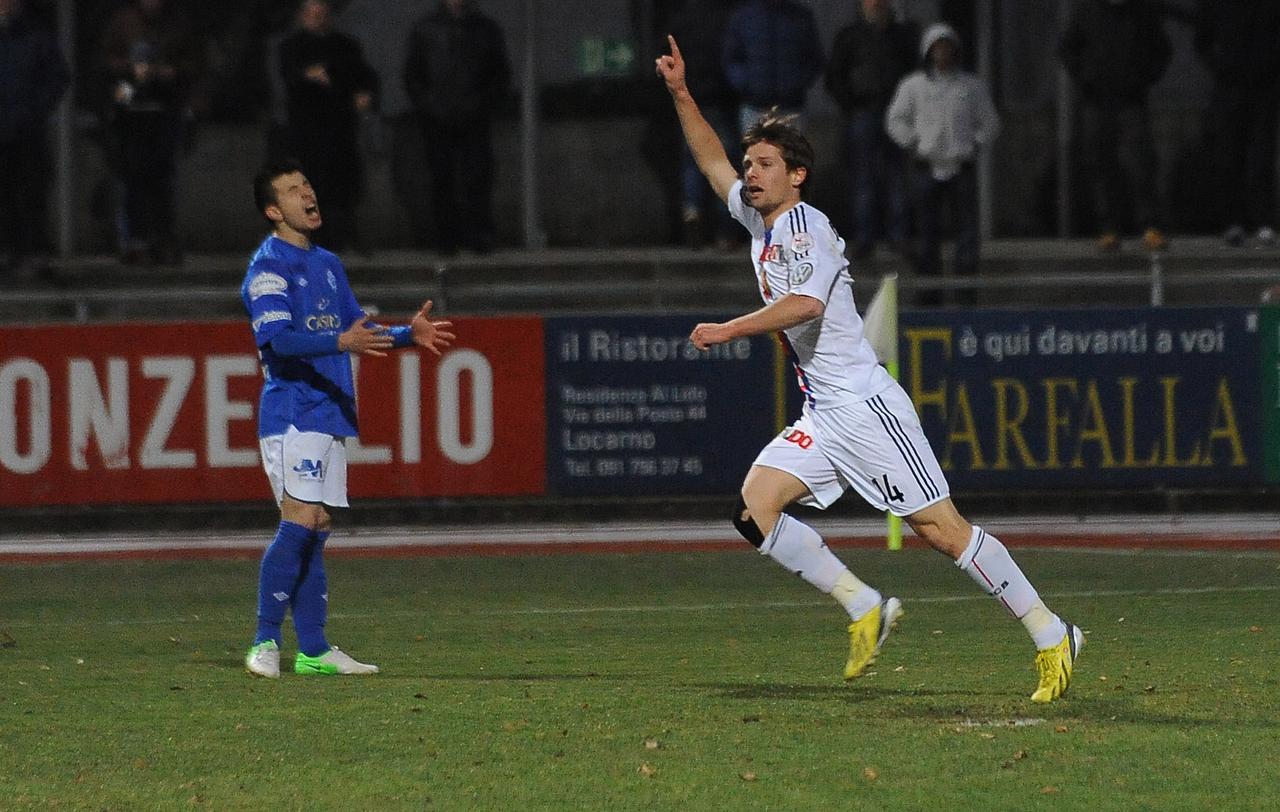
(311, 599)
(277, 578)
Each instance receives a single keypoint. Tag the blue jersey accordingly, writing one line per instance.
(288, 288)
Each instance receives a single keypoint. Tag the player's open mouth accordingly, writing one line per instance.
(311, 210)
(755, 190)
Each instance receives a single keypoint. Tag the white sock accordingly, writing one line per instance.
(989, 564)
(798, 547)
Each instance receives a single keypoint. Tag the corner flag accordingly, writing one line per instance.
(880, 327)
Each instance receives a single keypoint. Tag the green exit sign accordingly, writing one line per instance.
(604, 56)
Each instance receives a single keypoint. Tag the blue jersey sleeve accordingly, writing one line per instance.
(351, 310)
(266, 296)
(291, 343)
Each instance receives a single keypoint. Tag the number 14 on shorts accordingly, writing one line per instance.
(888, 491)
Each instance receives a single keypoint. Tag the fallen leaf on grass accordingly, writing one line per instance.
(647, 770)
(1048, 790)
(1255, 629)
(1060, 729)
(987, 735)
(747, 776)
(1150, 689)
(870, 773)
(651, 744)
(1020, 755)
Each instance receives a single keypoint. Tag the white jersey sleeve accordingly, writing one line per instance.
(815, 260)
(833, 361)
(743, 213)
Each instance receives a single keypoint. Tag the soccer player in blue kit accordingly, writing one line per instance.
(306, 322)
(858, 429)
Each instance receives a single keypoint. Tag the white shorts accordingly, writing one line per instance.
(307, 465)
(875, 447)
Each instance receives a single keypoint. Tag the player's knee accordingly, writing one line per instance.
(744, 524)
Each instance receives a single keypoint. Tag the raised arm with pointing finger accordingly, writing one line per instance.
(702, 139)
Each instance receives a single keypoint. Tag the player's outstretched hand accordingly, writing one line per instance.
(433, 335)
(364, 339)
(707, 334)
(671, 68)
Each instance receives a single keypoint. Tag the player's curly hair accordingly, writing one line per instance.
(780, 130)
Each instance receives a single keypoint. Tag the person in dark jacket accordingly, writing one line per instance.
(150, 60)
(771, 56)
(1239, 41)
(458, 76)
(868, 60)
(33, 77)
(1114, 51)
(328, 86)
(702, 24)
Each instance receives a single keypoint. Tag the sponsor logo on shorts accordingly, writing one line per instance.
(799, 438)
(309, 469)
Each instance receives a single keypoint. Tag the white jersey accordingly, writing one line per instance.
(803, 254)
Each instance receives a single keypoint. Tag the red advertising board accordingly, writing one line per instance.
(154, 413)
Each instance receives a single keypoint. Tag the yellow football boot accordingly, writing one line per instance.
(1054, 665)
(867, 634)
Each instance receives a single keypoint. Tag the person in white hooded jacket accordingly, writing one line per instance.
(941, 115)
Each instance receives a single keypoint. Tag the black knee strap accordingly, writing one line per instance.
(747, 526)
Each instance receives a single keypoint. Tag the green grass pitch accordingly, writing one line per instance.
(642, 681)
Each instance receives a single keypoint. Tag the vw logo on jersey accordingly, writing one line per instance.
(333, 280)
(323, 304)
(801, 273)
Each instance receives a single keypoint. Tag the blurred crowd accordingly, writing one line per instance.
(916, 119)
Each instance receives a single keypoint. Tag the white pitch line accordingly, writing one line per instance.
(655, 608)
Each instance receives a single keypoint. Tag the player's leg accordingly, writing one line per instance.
(793, 469)
(989, 564)
(316, 464)
(281, 563)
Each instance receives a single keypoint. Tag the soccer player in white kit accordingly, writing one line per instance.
(858, 428)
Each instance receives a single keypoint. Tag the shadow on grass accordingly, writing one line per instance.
(947, 706)
(589, 676)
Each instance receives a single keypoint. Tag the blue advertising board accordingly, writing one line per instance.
(1088, 398)
(634, 408)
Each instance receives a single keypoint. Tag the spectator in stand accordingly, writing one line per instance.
(1115, 50)
(868, 60)
(702, 25)
(771, 57)
(33, 77)
(328, 86)
(150, 60)
(458, 76)
(941, 116)
(1240, 44)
